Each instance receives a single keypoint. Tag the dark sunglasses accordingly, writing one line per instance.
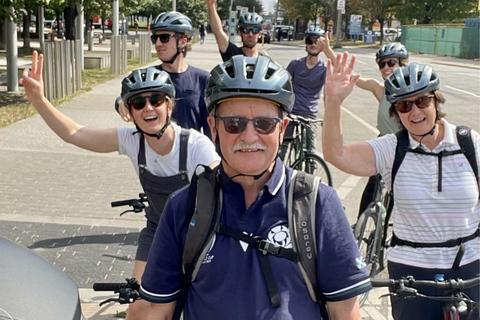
(254, 30)
(310, 41)
(406, 106)
(391, 63)
(164, 37)
(237, 125)
(155, 99)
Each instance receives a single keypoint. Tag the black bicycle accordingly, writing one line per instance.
(138, 205)
(456, 302)
(298, 157)
(372, 235)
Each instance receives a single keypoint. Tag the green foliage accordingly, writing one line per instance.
(437, 11)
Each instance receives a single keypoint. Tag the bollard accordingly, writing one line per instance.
(90, 40)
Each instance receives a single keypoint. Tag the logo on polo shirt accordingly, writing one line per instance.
(280, 236)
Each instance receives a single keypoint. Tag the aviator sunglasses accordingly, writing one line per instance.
(155, 99)
(390, 63)
(254, 30)
(237, 125)
(164, 37)
(421, 103)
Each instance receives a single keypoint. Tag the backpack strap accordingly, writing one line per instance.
(302, 197)
(400, 151)
(464, 137)
(201, 210)
(182, 159)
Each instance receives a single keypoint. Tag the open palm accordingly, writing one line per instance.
(340, 79)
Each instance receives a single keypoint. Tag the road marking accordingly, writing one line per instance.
(348, 186)
(358, 61)
(466, 92)
(369, 127)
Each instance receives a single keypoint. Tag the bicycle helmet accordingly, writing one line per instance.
(392, 50)
(251, 19)
(409, 81)
(250, 77)
(146, 80)
(173, 21)
(314, 32)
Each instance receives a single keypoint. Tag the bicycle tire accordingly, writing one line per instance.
(314, 164)
(364, 233)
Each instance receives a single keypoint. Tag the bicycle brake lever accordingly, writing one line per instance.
(108, 301)
(121, 214)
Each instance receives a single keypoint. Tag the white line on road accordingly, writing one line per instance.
(358, 61)
(466, 92)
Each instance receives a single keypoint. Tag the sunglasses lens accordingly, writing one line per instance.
(138, 102)
(265, 125)
(406, 106)
(234, 125)
(156, 99)
(390, 63)
(164, 37)
(255, 30)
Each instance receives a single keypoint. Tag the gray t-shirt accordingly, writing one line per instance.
(307, 85)
(385, 123)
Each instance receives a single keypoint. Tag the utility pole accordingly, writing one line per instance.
(338, 29)
(12, 54)
(115, 17)
(275, 20)
(174, 5)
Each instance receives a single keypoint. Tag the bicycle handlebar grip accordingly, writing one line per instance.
(122, 203)
(376, 283)
(107, 286)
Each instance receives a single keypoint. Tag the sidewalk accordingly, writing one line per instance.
(45, 180)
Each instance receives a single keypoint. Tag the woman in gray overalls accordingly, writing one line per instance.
(164, 155)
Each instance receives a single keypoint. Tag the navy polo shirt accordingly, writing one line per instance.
(230, 283)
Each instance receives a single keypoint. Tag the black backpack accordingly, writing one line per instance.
(205, 196)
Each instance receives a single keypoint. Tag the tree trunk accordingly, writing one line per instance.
(69, 14)
(26, 29)
(3, 39)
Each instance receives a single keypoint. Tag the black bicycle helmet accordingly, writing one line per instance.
(173, 21)
(146, 80)
(409, 81)
(392, 50)
(250, 77)
(250, 19)
(315, 32)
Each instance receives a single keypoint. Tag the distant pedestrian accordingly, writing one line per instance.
(202, 32)
(136, 26)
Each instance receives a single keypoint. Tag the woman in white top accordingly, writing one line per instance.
(164, 155)
(436, 197)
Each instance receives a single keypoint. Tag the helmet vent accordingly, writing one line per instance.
(230, 70)
(144, 76)
(395, 83)
(250, 68)
(132, 79)
(407, 80)
(269, 73)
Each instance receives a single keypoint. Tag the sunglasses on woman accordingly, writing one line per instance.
(139, 102)
(237, 125)
(421, 103)
(254, 30)
(164, 37)
(390, 63)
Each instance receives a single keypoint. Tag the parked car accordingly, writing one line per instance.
(390, 34)
(284, 32)
(267, 38)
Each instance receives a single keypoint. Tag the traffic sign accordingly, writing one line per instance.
(341, 5)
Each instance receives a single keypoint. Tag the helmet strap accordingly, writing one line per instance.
(179, 50)
(157, 135)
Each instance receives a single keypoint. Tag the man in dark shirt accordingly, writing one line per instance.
(249, 26)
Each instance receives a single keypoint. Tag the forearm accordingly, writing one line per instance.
(62, 125)
(216, 25)
(332, 132)
(372, 85)
(329, 53)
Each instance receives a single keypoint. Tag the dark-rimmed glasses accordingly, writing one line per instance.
(421, 103)
(311, 41)
(246, 30)
(139, 102)
(390, 63)
(164, 37)
(262, 125)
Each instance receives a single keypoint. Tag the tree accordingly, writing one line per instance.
(437, 11)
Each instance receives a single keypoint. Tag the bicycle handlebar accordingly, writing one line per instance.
(298, 118)
(450, 284)
(127, 291)
(130, 202)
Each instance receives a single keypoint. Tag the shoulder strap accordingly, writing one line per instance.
(401, 150)
(302, 197)
(464, 137)
(201, 212)
(182, 159)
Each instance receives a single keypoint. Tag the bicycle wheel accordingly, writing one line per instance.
(364, 233)
(314, 164)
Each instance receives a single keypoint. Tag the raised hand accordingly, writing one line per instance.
(210, 3)
(340, 78)
(32, 79)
